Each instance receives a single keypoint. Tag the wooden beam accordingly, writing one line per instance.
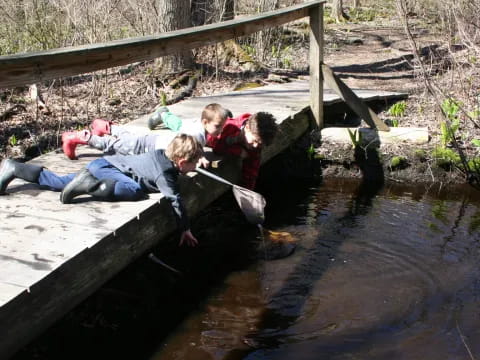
(352, 100)
(316, 60)
(22, 69)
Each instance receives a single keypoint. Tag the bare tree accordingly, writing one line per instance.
(228, 10)
(264, 38)
(337, 11)
(174, 15)
(212, 11)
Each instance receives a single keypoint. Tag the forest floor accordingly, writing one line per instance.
(368, 55)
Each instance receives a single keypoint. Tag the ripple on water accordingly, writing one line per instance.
(391, 275)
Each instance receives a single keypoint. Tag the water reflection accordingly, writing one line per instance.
(379, 272)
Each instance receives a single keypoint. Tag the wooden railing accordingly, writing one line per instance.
(29, 68)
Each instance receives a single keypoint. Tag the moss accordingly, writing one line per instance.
(398, 162)
(446, 158)
(474, 164)
(421, 155)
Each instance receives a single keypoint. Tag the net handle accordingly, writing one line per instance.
(213, 176)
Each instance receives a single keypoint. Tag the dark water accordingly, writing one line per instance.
(390, 273)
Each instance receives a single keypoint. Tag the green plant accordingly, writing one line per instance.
(163, 98)
(12, 140)
(475, 114)
(353, 137)
(398, 162)
(447, 132)
(446, 158)
(474, 164)
(362, 14)
(450, 108)
(395, 122)
(476, 142)
(420, 155)
(398, 109)
(249, 49)
(311, 152)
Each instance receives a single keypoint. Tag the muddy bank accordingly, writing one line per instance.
(396, 163)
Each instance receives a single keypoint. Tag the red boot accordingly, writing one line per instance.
(101, 127)
(71, 139)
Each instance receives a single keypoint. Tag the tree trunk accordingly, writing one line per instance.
(337, 11)
(356, 3)
(200, 10)
(174, 15)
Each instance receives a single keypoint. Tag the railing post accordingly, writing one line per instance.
(316, 60)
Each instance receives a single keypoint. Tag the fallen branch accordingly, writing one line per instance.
(186, 91)
(12, 111)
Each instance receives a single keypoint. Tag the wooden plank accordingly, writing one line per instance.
(316, 59)
(29, 68)
(66, 286)
(9, 291)
(355, 103)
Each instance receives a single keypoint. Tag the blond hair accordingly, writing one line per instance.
(184, 147)
(215, 111)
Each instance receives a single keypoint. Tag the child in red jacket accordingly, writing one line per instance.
(245, 136)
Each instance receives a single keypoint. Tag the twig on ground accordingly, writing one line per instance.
(464, 342)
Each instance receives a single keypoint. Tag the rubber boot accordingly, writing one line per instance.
(101, 127)
(71, 139)
(11, 169)
(156, 118)
(85, 183)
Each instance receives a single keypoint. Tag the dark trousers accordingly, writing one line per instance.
(126, 189)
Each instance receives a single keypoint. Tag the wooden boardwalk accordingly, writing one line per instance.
(54, 255)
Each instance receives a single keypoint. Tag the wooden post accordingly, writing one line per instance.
(316, 60)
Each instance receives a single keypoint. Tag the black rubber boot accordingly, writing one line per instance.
(105, 190)
(80, 184)
(11, 169)
(85, 183)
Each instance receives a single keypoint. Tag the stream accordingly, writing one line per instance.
(386, 272)
(377, 274)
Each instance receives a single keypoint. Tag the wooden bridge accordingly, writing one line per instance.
(54, 255)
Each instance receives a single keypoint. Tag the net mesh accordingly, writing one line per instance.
(251, 203)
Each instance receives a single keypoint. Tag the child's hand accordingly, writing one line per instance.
(203, 162)
(188, 238)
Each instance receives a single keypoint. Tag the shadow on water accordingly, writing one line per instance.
(286, 305)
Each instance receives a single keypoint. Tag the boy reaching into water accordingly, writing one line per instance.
(114, 139)
(121, 177)
(245, 136)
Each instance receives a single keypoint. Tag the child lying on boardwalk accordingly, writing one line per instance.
(115, 139)
(120, 177)
(243, 136)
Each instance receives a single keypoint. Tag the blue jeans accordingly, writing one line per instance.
(126, 189)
